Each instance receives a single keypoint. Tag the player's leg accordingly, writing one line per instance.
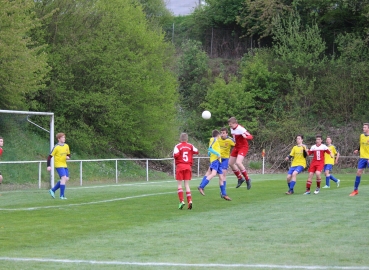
(239, 164)
(180, 190)
(333, 178)
(212, 171)
(362, 164)
(64, 177)
(327, 176)
(308, 182)
(188, 193)
(318, 180)
(236, 171)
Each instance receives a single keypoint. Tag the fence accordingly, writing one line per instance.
(117, 160)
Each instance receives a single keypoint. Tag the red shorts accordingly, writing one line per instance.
(242, 151)
(316, 167)
(183, 172)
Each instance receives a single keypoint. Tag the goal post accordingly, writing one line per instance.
(51, 131)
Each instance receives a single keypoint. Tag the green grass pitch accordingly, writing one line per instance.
(138, 226)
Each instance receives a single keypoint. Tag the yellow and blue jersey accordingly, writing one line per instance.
(297, 153)
(60, 153)
(214, 145)
(364, 146)
(327, 158)
(225, 146)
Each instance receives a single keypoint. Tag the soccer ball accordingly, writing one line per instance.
(206, 114)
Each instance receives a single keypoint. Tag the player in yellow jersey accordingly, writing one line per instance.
(329, 162)
(226, 143)
(364, 157)
(60, 153)
(298, 155)
(215, 166)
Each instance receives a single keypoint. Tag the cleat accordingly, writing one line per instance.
(52, 193)
(354, 193)
(248, 183)
(227, 198)
(240, 181)
(290, 192)
(326, 186)
(221, 195)
(201, 190)
(63, 198)
(181, 205)
(338, 182)
(307, 192)
(317, 190)
(189, 206)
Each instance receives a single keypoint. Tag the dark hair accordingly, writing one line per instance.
(366, 124)
(318, 136)
(215, 133)
(299, 135)
(224, 129)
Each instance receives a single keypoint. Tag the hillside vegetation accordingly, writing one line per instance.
(116, 74)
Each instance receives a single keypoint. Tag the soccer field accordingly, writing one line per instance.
(139, 226)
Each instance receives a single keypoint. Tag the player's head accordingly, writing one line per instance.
(366, 128)
(318, 139)
(224, 133)
(232, 122)
(328, 140)
(299, 138)
(215, 133)
(60, 137)
(183, 137)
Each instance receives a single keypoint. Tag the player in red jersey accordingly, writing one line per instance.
(317, 164)
(239, 152)
(183, 156)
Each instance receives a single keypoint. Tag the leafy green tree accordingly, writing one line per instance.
(23, 66)
(111, 82)
(193, 72)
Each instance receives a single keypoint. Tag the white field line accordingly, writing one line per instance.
(79, 204)
(162, 264)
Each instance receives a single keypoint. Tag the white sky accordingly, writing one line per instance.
(181, 7)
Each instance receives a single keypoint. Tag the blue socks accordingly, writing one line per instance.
(204, 182)
(56, 187)
(333, 178)
(62, 189)
(292, 185)
(357, 182)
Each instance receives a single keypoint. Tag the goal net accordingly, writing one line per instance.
(18, 129)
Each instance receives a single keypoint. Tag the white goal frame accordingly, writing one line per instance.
(52, 174)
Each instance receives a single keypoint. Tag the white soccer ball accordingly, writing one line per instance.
(206, 114)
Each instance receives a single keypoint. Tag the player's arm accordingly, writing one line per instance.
(195, 151)
(337, 157)
(48, 162)
(329, 152)
(247, 136)
(357, 150)
(211, 150)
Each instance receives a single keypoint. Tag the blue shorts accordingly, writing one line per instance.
(215, 165)
(328, 167)
(62, 172)
(225, 163)
(363, 163)
(298, 169)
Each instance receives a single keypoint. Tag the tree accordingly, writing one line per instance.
(111, 75)
(23, 66)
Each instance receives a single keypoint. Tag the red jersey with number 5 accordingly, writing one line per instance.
(183, 153)
(318, 152)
